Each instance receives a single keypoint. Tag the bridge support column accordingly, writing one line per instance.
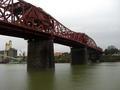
(40, 54)
(94, 56)
(79, 56)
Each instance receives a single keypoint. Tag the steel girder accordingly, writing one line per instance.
(27, 15)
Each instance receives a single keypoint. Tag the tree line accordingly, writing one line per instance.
(64, 58)
(110, 50)
(108, 53)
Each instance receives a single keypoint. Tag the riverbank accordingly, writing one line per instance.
(110, 58)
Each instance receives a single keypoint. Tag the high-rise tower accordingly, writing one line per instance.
(10, 44)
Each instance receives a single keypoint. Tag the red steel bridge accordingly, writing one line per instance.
(21, 19)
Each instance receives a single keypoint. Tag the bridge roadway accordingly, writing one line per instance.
(22, 19)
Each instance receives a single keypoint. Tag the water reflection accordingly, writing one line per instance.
(62, 77)
(41, 80)
(104, 76)
(13, 77)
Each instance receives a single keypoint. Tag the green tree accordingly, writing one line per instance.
(111, 50)
(64, 58)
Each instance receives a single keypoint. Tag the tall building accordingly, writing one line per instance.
(8, 45)
(8, 52)
(12, 52)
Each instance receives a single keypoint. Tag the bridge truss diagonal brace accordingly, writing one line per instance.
(40, 54)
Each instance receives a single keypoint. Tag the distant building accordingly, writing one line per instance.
(58, 53)
(8, 45)
(12, 52)
(116, 54)
(8, 52)
(1, 55)
(2, 52)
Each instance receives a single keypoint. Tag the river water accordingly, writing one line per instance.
(102, 76)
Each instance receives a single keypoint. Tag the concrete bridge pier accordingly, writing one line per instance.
(94, 56)
(40, 54)
(79, 55)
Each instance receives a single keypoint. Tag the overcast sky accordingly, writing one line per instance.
(100, 19)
